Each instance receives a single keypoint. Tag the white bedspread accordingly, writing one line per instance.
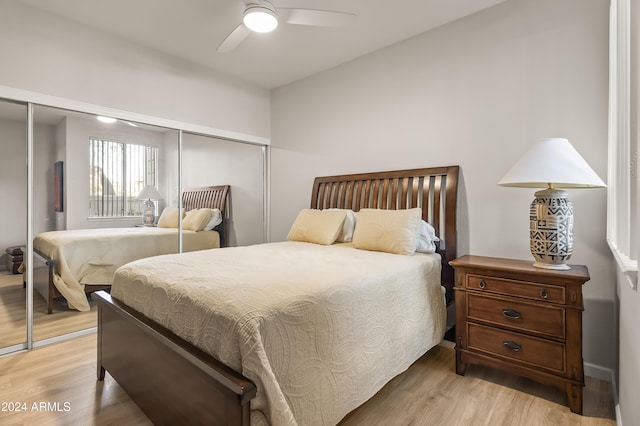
(318, 329)
(91, 256)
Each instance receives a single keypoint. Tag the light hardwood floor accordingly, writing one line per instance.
(13, 322)
(429, 393)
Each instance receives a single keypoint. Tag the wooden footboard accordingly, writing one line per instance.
(43, 270)
(172, 381)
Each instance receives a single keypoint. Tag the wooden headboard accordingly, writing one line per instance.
(434, 190)
(213, 197)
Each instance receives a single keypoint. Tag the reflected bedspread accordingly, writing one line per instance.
(91, 256)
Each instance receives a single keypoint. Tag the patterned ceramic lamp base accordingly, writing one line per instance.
(149, 214)
(551, 229)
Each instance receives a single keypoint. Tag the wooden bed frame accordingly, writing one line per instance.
(174, 382)
(207, 196)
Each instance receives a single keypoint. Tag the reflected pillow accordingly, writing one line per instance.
(391, 231)
(216, 219)
(427, 238)
(317, 226)
(169, 218)
(196, 219)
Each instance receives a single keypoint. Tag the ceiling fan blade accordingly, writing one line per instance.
(321, 18)
(234, 39)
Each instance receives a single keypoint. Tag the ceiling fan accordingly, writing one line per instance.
(262, 16)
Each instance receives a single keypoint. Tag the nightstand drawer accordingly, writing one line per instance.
(540, 319)
(535, 291)
(514, 346)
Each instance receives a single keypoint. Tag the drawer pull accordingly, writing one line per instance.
(511, 313)
(482, 284)
(544, 293)
(512, 346)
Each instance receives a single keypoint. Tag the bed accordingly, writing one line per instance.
(74, 263)
(253, 377)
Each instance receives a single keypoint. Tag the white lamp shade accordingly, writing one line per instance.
(149, 192)
(552, 161)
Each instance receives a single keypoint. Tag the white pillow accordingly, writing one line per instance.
(391, 231)
(426, 242)
(317, 226)
(216, 219)
(346, 235)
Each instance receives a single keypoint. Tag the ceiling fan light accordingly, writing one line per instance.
(107, 120)
(260, 18)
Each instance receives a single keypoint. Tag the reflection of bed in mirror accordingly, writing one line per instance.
(74, 263)
(296, 331)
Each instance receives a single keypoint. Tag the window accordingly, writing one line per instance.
(117, 173)
(624, 194)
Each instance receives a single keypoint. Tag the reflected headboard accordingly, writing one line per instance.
(213, 197)
(434, 190)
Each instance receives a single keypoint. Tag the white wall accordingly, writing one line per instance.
(13, 184)
(46, 54)
(13, 181)
(629, 376)
(44, 148)
(208, 161)
(477, 92)
(60, 150)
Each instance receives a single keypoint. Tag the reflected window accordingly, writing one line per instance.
(117, 173)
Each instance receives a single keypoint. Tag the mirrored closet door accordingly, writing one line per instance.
(94, 177)
(84, 188)
(13, 225)
(209, 161)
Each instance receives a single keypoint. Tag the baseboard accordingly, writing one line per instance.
(599, 372)
(606, 374)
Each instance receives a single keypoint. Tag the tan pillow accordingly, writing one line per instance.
(317, 226)
(197, 219)
(391, 231)
(169, 218)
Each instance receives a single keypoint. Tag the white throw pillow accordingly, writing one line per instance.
(169, 218)
(317, 226)
(216, 219)
(391, 231)
(426, 242)
(196, 219)
(346, 235)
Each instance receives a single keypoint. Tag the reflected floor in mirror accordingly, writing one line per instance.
(13, 323)
(13, 311)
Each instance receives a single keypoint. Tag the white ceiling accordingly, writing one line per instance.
(193, 29)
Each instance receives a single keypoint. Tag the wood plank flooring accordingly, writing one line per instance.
(13, 323)
(429, 393)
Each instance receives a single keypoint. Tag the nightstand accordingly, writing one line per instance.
(525, 320)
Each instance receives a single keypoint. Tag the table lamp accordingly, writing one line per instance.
(149, 193)
(551, 163)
